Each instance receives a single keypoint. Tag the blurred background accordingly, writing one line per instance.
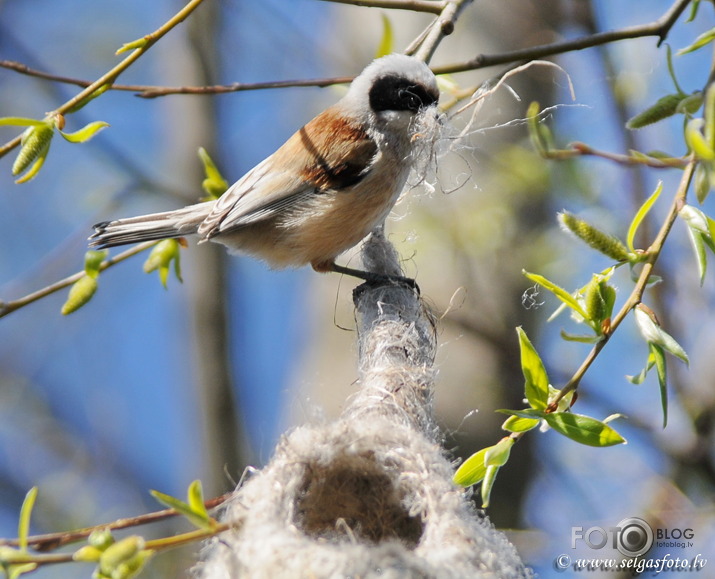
(151, 388)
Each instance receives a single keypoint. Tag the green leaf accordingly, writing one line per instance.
(694, 5)
(559, 292)
(21, 122)
(704, 179)
(89, 98)
(93, 261)
(583, 339)
(486, 490)
(638, 379)
(23, 527)
(702, 40)
(160, 258)
(387, 42)
(528, 413)
(196, 499)
(498, 454)
(536, 381)
(696, 239)
(709, 116)
(85, 133)
(520, 424)
(539, 133)
(691, 104)
(583, 429)
(472, 470)
(198, 517)
(654, 334)
(641, 214)
(697, 142)
(659, 360)
(80, 293)
(214, 184)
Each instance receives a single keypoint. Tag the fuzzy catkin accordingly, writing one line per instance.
(369, 495)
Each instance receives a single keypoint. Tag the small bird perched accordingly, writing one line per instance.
(323, 190)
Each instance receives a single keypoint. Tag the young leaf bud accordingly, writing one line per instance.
(80, 293)
(597, 239)
(161, 257)
(93, 261)
(101, 539)
(596, 306)
(653, 334)
(695, 219)
(120, 552)
(87, 554)
(214, 184)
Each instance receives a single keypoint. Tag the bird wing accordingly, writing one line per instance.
(330, 153)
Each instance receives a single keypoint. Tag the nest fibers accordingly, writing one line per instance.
(371, 494)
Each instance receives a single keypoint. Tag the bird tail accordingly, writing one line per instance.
(151, 227)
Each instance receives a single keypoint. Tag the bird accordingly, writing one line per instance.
(320, 193)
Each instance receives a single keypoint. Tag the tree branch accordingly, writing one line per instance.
(659, 28)
(438, 29)
(636, 295)
(9, 307)
(434, 7)
(110, 76)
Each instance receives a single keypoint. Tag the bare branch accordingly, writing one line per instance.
(434, 7)
(441, 27)
(109, 77)
(659, 28)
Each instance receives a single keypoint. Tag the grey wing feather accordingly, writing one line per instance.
(259, 194)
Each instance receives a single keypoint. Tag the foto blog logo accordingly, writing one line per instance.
(631, 537)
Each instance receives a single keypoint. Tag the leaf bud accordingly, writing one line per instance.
(80, 293)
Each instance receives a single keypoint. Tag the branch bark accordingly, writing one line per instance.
(371, 493)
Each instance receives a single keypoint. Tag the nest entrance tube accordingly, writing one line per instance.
(354, 501)
(370, 494)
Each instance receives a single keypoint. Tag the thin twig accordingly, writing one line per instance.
(441, 27)
(149, 91)
(660, 28)
(109, 77)
(434, 7)
(581, 149)
(9, 307)
(50, 541)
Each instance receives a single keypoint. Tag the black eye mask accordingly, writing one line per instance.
(396, 93)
